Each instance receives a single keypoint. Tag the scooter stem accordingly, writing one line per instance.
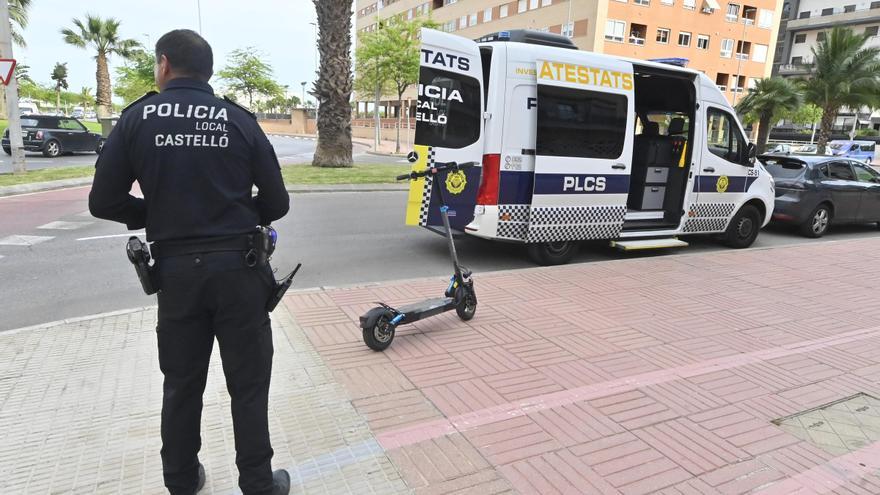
(445, 216)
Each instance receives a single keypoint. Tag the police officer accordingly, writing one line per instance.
(196, 158)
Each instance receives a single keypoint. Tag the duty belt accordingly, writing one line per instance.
(167, 249)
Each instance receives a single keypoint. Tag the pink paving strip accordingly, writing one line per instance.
(441, 427)
(832, 475)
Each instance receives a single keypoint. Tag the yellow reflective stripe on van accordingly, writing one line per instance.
(417, 187)
(581, 74)
(684, 150)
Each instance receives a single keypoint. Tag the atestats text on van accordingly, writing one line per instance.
(574, 145)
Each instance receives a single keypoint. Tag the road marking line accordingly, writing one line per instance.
(109, 236)
(62, 225)
(24, 240)
(437, 428)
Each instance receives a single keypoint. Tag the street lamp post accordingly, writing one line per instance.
(303, 102)
(16, 142)
(739, 58)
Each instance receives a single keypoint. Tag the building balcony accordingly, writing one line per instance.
(864, 16)
(794, 70)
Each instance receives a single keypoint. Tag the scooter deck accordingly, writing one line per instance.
(426, 309)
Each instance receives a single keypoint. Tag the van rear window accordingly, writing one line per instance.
(579, 123)
(784, 169)
(449, 111)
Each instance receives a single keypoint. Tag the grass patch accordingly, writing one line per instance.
(361, 173)
(92, 126)
(47, 174)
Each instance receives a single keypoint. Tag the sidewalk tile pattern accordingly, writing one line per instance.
(658, 374)
(80, 404)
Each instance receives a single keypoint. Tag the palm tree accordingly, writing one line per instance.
(59, 75)
(334, 84)
(769, 98)
(86, 98)
(103, 36)
(844, 73)
(18, 14)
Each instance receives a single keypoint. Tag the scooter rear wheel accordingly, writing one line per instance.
(379, 336)
(467, 302)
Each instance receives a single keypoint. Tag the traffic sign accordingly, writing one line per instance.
(7, 69)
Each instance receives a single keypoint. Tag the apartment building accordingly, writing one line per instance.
(804, 25)
(729, 41)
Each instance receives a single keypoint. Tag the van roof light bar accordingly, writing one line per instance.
(678, 62)
(530, 37)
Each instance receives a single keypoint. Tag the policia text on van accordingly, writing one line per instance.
(576, 145)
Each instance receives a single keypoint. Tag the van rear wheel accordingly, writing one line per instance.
(743, 229)
(552, 253)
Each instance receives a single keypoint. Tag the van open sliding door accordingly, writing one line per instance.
(583, 148)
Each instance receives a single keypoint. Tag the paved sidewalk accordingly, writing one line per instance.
(658, 374)
(654, 374)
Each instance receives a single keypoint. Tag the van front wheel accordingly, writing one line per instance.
(552, 253)
(743, 229)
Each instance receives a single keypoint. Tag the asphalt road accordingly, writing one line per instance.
(341, 239)
(289, 150)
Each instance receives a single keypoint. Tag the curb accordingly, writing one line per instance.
(44, 186)
(77, 319)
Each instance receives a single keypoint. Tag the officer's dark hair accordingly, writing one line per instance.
(187, 52)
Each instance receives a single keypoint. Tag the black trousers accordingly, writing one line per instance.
(205, 296)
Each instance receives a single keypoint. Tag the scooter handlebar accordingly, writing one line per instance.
(437, 168)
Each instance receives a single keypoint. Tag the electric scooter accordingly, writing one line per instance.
(380, 323)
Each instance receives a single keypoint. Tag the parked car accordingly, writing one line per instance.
(54, 136)
(814, 192)
(77, 112)
(779, 148)
(862, 151)
(806, 149)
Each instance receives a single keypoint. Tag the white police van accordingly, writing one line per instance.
(576, 145)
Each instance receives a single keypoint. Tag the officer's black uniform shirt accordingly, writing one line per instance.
(196, 158)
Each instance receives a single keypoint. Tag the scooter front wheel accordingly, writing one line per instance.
(466, 299)
(379, 336)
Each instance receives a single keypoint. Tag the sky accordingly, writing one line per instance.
(281, 29)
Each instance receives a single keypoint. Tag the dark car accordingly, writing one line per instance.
(814, 192)
(54, 136)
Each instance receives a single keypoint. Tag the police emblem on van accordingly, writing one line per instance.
(456, 181)
(721, 185)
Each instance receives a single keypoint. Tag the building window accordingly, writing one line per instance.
(568, 30)
(522, 6)
(871, 31)
(702, 42)
(721, 81)
(726, 47)
(614, 30)
(487, 15)
(820, 36)
(449, 26)
(760, 53)
(533, 4)
(409, 14)
(473, 19)
(462, 22)
(765, 19)
(743, 48)
(684, 38)
(690, 4)
(662, 35)
(797, 60)
(546, 3)
(502, 12)
(642, 2)
(849, 8)
(800, 38)
(804, 15)
(637, 33)
(732, 12)
(667, 2)
(828, 11)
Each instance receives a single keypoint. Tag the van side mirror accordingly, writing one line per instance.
(751, 154)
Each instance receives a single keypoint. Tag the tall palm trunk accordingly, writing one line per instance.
(828, 116)
(334, 84)
(102, 77)
(763, 132)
